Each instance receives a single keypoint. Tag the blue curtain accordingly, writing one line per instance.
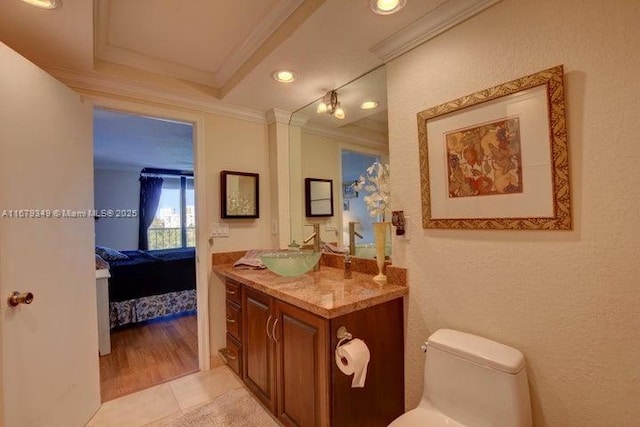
(150, 189)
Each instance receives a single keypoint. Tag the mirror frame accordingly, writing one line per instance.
(225, 212)
(307, 197)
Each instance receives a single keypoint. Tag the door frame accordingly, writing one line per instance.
(203, 264)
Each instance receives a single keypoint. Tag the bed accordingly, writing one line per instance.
(151, 284)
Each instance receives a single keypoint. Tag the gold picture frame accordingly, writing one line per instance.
(498, 158)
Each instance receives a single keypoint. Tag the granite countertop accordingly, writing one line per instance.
(325, 292)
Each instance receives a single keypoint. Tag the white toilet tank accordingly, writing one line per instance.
(470, 381)
(475, 381)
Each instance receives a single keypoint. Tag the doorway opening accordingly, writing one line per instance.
(145, 232)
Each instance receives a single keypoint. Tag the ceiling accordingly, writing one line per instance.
(219, 51)
(128, 142)
(219, 56)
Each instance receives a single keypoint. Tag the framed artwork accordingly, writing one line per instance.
(498, 158)
(239, 195)
(348, 192)
(318, 197)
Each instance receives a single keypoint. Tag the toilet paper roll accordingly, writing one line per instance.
(353, 358)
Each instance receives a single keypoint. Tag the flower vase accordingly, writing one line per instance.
(380, 236)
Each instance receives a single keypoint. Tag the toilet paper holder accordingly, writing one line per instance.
(343, 334)
(353, 358)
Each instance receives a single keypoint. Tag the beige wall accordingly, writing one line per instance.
(570, 301)
(242, 146)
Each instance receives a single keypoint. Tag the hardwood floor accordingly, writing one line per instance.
(147, 354)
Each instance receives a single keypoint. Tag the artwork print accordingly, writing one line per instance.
(485, 159)
(508, 141)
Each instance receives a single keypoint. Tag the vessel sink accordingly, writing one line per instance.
(290, 263)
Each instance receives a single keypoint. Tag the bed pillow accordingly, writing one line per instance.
(101, 263)
(109, 254)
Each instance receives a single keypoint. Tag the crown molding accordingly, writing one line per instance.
(275, 17)
(437, 21)
(372, 125)
(298, 120)
(276, 115)
(379, 142)
(108, 85)
(270, 22)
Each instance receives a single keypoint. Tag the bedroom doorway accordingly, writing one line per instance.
(145, 233)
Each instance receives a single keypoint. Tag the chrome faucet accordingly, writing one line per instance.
(316, 243)
(352, 237)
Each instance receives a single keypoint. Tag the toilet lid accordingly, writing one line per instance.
(424, 417)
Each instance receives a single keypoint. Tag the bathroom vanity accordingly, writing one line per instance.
(282, 335)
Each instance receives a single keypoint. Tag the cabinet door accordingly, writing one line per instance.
(302, 367)
(258, 347)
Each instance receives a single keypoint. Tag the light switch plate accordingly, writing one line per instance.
(219, 230)
(330, 226)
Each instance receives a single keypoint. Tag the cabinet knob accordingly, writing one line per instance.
(273, 330)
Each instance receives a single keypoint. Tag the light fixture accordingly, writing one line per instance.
(368, 105)
(329, 104)
(386, 7)
(284, 76)
(44, 4)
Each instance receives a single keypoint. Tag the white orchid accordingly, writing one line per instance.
(376, 183)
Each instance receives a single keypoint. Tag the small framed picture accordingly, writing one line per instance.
(348, 192)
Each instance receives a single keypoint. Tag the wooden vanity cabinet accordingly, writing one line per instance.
(287, 361)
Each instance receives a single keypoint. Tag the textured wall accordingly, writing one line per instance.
(570, 301)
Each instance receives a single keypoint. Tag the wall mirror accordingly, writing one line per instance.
(318, 196)
(240, 194)
(324, 146)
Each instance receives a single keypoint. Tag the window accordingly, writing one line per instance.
(175, 220)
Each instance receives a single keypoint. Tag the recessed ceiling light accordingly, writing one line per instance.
(284, 76)
(368, 105)
(386, 7)
(44, 4)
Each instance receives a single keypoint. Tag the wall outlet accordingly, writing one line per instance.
(274, 226)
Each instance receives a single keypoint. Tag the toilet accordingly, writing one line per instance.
(470, 381)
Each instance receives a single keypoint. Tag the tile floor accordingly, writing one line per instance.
(151, 406)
